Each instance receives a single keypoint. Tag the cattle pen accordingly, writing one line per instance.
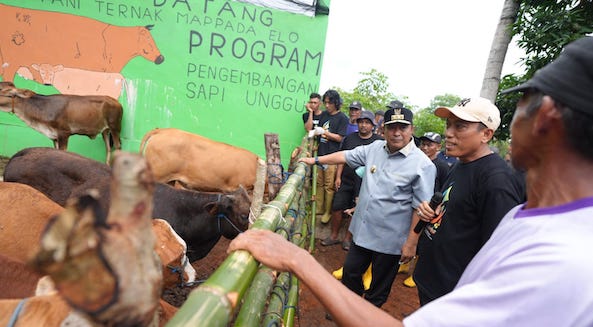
(239, 289)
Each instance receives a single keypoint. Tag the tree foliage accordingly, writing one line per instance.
(372, 91)
(543, 28)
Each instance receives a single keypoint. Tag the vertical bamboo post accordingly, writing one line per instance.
(274, 164)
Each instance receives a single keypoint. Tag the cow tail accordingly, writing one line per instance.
(145, 139)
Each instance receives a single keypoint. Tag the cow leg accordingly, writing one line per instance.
(62, 142)
(105, 134)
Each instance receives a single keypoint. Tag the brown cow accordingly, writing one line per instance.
(197, 162)
(59, 116)
(106, 268)
(26, 212)
(17, 280)
(29, 36)
(52, 310)
(200, 218)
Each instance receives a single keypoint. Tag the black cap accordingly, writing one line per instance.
(380, 112)
(569, 78)
(432, 137)
(398, 115)
(355, 105)
(395, 104)
(367, 115)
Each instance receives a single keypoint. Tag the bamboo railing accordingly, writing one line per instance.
(215, 301)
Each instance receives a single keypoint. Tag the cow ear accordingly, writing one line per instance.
(211, 208)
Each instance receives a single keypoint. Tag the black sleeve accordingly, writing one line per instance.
(497, 198)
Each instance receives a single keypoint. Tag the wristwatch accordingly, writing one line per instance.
(316, 160)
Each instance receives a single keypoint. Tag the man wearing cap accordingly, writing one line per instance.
(354, 113)
(332, 129)
(347, 180)
(430, 144)
(533, 270)
(397, 177)
(477, 193)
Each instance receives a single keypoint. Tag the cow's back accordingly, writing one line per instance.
(25, 212)
(58, 174)
(198, 162)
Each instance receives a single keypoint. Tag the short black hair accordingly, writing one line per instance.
(334, 97)
(315, 95)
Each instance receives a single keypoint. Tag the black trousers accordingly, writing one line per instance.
(384, 270)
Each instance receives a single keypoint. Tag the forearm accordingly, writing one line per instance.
(333, 158)
(346, 307)
(333, 136)
(309, 122)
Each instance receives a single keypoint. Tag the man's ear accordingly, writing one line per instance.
(487, 135)
(546, 117)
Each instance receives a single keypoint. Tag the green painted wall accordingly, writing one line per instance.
(232, 72)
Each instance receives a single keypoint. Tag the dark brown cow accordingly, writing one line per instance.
(29, 36)
(196, 162)
(59, 116)
(200, 218)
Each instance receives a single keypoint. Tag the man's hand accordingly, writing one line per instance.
(267, 247)
(408, 251)
(318, 130)
(308, 160)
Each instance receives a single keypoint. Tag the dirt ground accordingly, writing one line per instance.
(402, 300)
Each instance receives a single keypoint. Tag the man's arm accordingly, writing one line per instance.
(329, 159)
(346, 307)
(309, 122)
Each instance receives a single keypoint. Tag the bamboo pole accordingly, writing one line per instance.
(256, 297)
(313, 146)
(214, 302)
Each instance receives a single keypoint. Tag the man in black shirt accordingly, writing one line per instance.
(311, 117)
(477, 193)
(430, 144)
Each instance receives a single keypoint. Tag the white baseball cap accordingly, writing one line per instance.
(473, 110)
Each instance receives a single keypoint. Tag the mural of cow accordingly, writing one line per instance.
(30, 37)
(81, 82)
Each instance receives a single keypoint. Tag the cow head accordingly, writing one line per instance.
(147, 45)
(70, 252)
(232, 212)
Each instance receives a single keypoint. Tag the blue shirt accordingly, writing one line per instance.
(393, 185)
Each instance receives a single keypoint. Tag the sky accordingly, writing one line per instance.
(425, 48)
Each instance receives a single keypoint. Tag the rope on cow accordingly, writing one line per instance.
(17, 312)
(179, 270)
(275, 207)
(222, 216)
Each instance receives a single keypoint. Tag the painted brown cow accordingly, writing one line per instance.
(197, 162)
(29, 36)
(200, 218)
(59, 116)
